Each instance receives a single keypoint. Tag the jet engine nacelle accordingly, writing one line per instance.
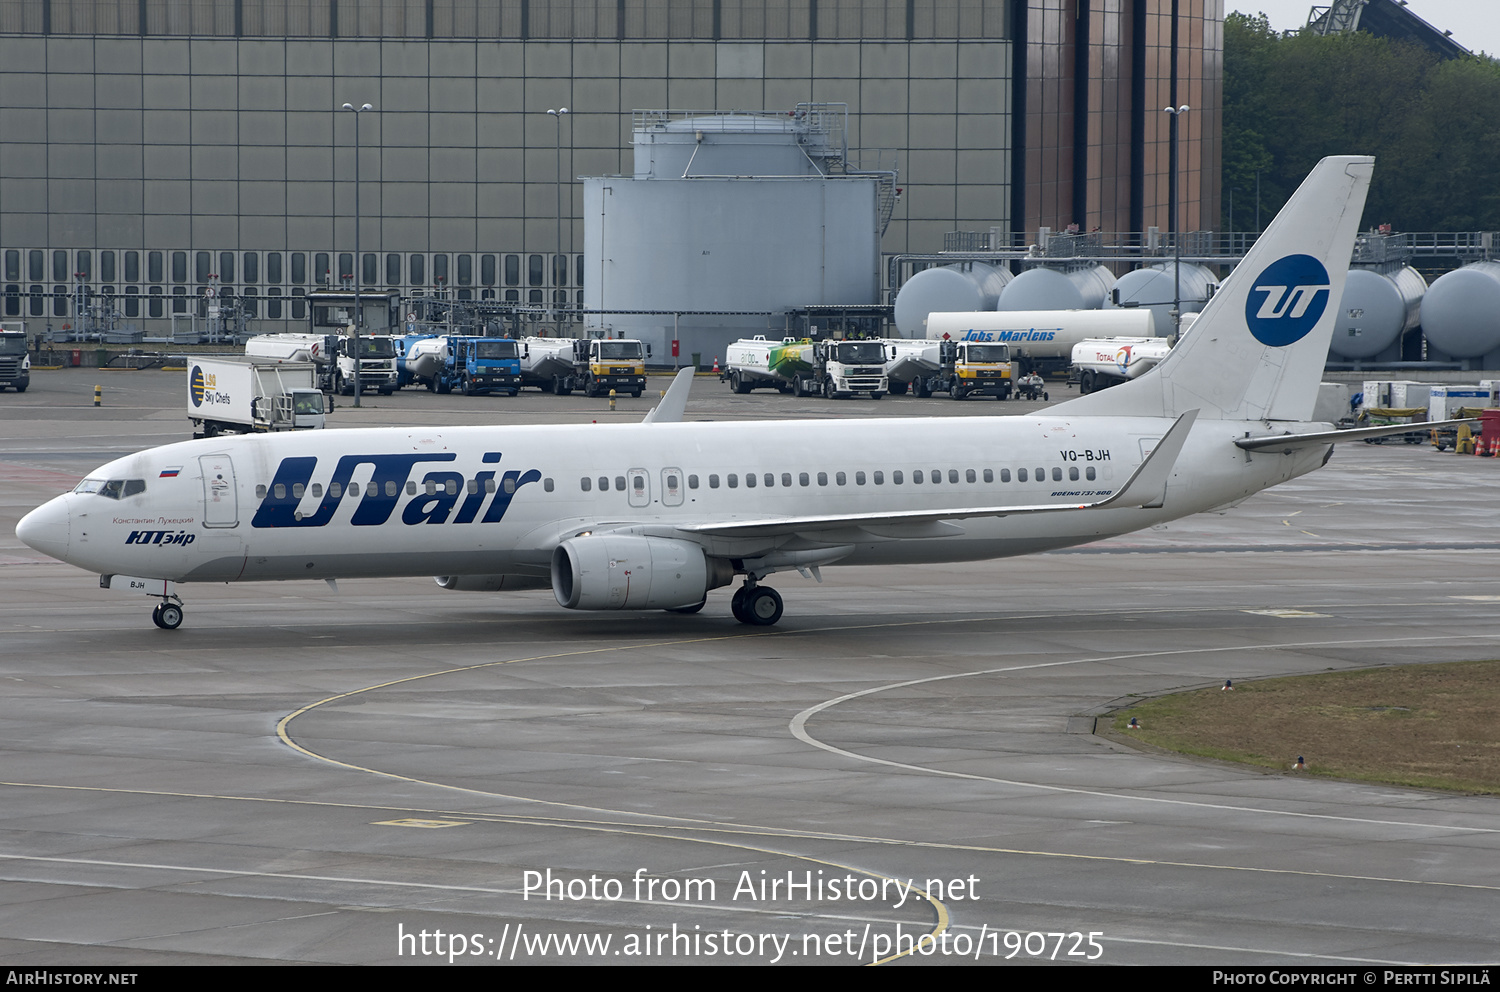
(626, 572)
(491, 583)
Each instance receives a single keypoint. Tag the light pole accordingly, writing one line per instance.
(1172, 197)
(359, 313)
(558, 115)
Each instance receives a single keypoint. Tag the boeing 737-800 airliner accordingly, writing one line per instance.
(657, 514)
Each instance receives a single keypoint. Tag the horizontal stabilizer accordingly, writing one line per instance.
(1287, 443)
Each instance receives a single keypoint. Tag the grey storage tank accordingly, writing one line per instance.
(1461, 311)
(961, 287)
(1152, 287)
(757, 214)
(1084, 287)
(1376, 309)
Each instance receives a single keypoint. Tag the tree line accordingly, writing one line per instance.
(1433, 125)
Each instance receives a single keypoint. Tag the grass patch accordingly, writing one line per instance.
(1427, 726)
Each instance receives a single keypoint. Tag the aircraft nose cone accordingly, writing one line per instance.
(46, 528)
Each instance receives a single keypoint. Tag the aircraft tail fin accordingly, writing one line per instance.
(1257, 350)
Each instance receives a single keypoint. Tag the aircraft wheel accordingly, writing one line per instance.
(737, 604)
(763, 606)
(156, 614)
(171, 616)
(688, 609)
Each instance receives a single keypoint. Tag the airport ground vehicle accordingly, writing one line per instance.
(971, 368)
(244, 397)
(1040, 340)
(332, 355)
(601, 364)
(476, 365)
(1099, 363)
(843, 368)
(546, 361)
(15, 364)
(758, 362)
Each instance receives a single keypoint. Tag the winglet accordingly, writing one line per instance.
(1148, 485)
(669, 410)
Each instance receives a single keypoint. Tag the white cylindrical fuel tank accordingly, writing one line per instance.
(1461, 311)
(1153, 286)
(1054, 289)
(1376, 309)
(947, 289)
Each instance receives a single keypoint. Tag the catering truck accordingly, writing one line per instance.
(332, 355)
(243, 397)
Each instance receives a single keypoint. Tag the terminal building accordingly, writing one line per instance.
(154, 153)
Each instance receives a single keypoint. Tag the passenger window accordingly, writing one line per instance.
(804, 479)
(953, 476)
(411, 488)
(297, 490)
(431, 488)
(1005, 475)
(713, 482)
(1041, 475)
(786, 479)
(1020, 475)
(260, 492)
(353, 489)
(1056, 474)
(317, 490)
(391, 488)
(638, 483)
(619, 484)
(822, 478)
(770, 480)
(916, 477)
(1073, 473)
(839, 478)
(692, 482)
(969, 476)
(472, 486)
(489, 486)
(510, 485)
(586, 484)
(859, 478)
(603, 484)
(279, 490)
(880, 478)
(546, 486)
(749, 480)
(734, 481)
(1089, 473)
(937, 476)
(989, 475)
(896, 477)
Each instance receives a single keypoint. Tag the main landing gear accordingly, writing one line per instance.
(759, 606)
(168, 614)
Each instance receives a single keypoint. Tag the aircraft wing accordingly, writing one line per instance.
(1145, 487)
(1287, 443)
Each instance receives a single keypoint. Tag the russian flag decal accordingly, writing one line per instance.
(170, 473)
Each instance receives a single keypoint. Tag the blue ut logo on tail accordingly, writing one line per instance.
(1287, 299)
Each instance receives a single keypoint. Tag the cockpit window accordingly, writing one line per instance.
(112, 488)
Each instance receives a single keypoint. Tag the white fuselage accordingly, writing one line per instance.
(487, 500)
